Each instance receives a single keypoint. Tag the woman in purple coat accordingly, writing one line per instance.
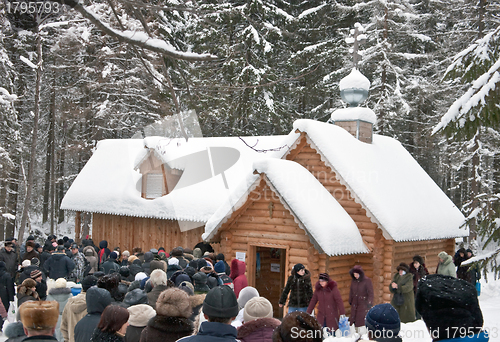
(360, 296)
(330, 306)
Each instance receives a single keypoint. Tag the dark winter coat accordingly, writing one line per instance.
(148, 257)
(211, 332)
(7, 291)
(240, 281)
(40, 338)
(25, 295)
(155, 293)
(110, 266)
(41, 289)
(135, 267)
(166, 329)
(30, 255)
(97, 300)
(360, 296)
(458, 260)
(405, 286)
(43, 257)
(59, 265)
(26, 273)
(133, 334)
(10, 259)
(418, 274)
(330, 304)
(300, 290)
(171, 269)
(102, 336)
(258, 330)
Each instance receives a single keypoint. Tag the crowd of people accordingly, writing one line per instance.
(79, 293)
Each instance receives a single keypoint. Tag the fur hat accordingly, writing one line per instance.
(30, 244)
(446, 302)
(132, 258)
(247, 293)
(324, 276)
(26, 263)
(126, 253)
(39, 315)
(35, 274)
(28, 282)
(174, 302)
(298, 324)
(404, 267)
(419, 259)
(221, 302)
(257, 307)
(140, 314)
(140, 276)
(8, 243)
(60, 283)
(197, 253)
(383, 317)
(89, 252)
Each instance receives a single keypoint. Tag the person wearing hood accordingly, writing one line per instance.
(300, 289)
(97, 300)
(240, 281)
(75, 309)
(160, 283)
(360, 296)
(135, 265)
(200, 283)
(171, 323)
(30, 252)
(103, 253)
(458, 259)
(125, 256)
(9, 256)
(220, 269)
(173, 266)
(59, 265)
(259, 323)
(111, 265)
(330, 304)
(445, 266)
(246, 294)
(473, 272)
(61, 294)
(148, 257)
(91, 256)
(140, 314)
(7, 290)
(403, 298)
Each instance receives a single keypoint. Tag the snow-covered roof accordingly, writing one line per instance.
(110, 183)
(328, 225)
(355, 80)
(388, 182)
(354, 113)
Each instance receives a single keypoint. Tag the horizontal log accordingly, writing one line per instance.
(367, 232)
(349, 204)
(291, 244)
(270, 237)
(369, 239)
(265, 213)
(386, 297)
(361, 218)
(256, 227)
(366, 225)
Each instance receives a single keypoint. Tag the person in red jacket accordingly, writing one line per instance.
(240, 281)
(330, 304)
(360, 296)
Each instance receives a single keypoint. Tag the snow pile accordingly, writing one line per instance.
(388, 182)
(354, 113)
(316, 210)
(110, 183)
(355, 80)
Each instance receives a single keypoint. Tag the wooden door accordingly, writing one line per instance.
(270, 275)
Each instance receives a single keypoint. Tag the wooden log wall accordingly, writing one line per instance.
(427, 249)
(128, 232)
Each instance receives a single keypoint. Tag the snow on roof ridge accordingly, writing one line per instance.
(390, 183)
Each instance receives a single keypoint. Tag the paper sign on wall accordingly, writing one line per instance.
(275, 267)
(240, 256)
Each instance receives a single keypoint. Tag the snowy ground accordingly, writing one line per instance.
(489, 301)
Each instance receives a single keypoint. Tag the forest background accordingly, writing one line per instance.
(72, 74)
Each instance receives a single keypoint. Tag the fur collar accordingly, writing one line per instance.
(331, 285)
(257, 324)
(58, 291)
(306, 276)
(171, 324)
(197, 299)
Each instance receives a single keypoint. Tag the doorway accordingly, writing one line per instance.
(270, 268)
